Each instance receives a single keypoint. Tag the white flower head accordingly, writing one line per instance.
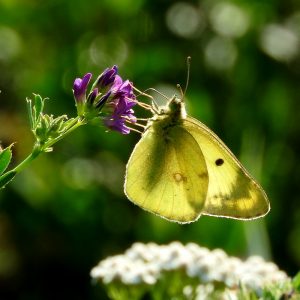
(146, 263)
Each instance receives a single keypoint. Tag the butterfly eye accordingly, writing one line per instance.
(219, 162)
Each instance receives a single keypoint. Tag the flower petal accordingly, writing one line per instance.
(80, 87)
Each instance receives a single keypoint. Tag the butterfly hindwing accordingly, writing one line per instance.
(232, 192)
(167, 175)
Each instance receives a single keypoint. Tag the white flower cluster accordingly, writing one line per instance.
(146, 263)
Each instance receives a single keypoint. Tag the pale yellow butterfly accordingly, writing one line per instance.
(180, 170)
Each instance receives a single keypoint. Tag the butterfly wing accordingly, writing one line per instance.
(167, 175)
(232, 192)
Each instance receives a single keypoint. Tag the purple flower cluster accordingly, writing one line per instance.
(108, 93)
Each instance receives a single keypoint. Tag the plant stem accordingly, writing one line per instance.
(21, 166)
(38, 149)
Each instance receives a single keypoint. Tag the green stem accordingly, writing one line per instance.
(38, 149)
(21, 166)
(8, 176)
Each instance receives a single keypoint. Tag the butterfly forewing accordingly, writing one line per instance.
(232, 192)
(167, 175)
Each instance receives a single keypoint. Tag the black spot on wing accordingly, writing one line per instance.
(219, 162)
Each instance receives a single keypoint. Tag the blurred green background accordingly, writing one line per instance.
(68, 210)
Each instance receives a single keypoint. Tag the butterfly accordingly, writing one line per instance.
(180, 170)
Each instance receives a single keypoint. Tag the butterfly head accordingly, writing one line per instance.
(174, 112)
(175, 108)
(169, 115)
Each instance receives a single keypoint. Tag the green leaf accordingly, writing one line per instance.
(39, 105)
(5, 158)
(30, 113)
(45, 122)
(296, 282)
(57, 124)
(6, 178)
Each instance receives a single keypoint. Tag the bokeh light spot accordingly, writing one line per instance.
(184, 20)
(220, 53)
(105, 51)
(279, 42)
(79, 173)
(10, 43)
(229, 20)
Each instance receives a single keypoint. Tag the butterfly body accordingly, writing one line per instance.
(180, 169)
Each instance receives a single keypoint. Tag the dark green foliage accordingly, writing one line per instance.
(68, 210)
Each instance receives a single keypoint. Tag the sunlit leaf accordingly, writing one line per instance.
(5, 158)
(296, 282)
(6, 178)
(30, 113)
(39, 105)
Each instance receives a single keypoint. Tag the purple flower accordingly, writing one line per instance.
(122, 112)
(122, 89)
(92, 96)
(107, 77)
(80, 87)
(102, 100)
(109, 94)
(79, 91)
(123, 99)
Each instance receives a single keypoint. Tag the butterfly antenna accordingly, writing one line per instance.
(180, 90)
(188, 64)
(158, 92)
